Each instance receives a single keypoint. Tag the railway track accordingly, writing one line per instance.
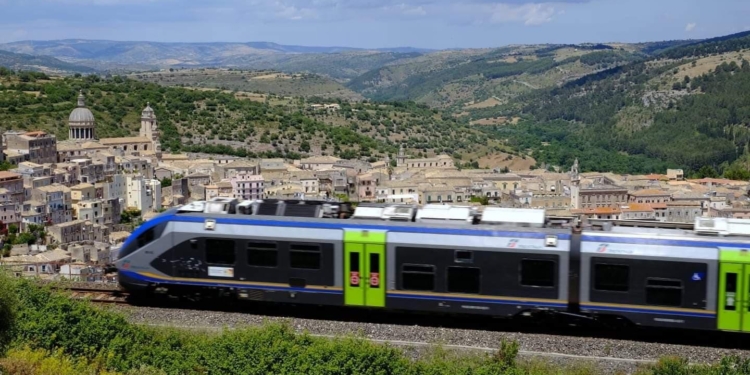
(99, 295)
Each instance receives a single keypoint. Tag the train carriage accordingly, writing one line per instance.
(501, 263)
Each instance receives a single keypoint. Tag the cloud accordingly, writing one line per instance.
(690, 27)
(406, 9)
(528, 14)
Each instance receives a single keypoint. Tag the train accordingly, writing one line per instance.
(500, 262)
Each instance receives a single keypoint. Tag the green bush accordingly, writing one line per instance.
(8, 304)
(53, 334)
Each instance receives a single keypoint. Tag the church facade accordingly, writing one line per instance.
(82, 138)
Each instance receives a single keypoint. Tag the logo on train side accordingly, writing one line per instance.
(602, 248)
(512, 243)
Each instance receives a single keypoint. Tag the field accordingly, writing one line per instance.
(502, 160)
(277, 83)
(500, 120)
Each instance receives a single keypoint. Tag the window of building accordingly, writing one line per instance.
(611, 277)
(463, 279)
(304, 256)
(219, 251)
(538, 273)
(418, 277)
(262, 254)
(664, 292)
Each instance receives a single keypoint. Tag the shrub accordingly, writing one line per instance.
(53, 334)
(8, 305)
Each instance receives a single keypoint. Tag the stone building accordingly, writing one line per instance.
(13, 183)
(40, 146)
(247, 186)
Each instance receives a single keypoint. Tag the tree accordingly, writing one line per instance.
(166, 181)
(128, 216)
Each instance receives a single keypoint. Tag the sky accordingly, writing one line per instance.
(373, 23)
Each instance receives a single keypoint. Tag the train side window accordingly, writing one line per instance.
(463, 256)
(464, 279)
(146, 237)
(418, 277)
(219, 251)
(304, 256)
(538, 273)
(663, 292)
(262, 254)
(611, 277)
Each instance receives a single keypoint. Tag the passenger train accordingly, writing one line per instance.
(445, 259)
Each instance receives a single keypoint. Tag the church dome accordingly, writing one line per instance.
(81, 113)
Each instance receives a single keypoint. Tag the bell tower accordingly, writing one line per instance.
(149, 128)
(401, 158)
(575, 186)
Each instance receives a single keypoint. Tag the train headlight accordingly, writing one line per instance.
(210, 224)
(550, 241)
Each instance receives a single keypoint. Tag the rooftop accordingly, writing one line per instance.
(123, 140)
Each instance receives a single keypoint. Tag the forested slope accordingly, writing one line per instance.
(450, 79)
(222, 122)
(686, 107)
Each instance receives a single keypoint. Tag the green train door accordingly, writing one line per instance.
(734, 290)
(364, 268)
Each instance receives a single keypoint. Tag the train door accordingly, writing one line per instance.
(734, 297)
(364, 268)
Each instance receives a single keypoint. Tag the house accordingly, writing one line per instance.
(38, 145)
(13, 184)
(318, 163)
(247, 186)
(650, 196)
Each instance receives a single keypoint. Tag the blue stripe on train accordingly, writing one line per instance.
(477, 300)
(663, 242)
(647, 311)
(339, 225)
(227, 284)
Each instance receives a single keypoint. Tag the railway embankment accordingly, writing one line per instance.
(47, 332)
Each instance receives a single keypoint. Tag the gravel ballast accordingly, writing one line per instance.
(607, 355)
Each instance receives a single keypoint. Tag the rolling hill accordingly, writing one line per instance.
(685, 106)
(214, 121)
(243, 81)
(338, 62)
(451, 79)
(46, 64)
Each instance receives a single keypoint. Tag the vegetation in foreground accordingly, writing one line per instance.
(47, 333)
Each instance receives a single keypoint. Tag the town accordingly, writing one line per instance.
(68, 205)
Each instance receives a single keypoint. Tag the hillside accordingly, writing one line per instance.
(46, 64)
(452, 79)
(269, 82)
(219, 122)
(687, 106)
